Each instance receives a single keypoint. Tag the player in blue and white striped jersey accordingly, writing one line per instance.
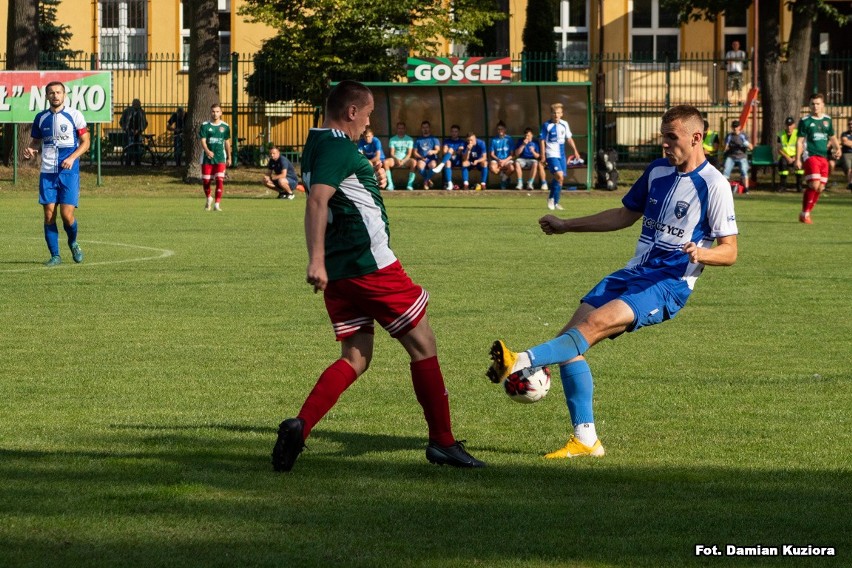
(63, 137)
(686, 206)
(555, 133)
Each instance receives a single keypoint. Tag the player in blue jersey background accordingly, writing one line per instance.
(554, 135)
(502, 160)
(475, 157)
(686, 206)
(63, 137)
(453, 154)
(426, 151)
(371, 147)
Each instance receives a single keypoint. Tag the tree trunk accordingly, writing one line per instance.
(783, 81)
(203, 79)
(21, 54)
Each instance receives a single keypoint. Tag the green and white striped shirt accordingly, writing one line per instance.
(357, 238)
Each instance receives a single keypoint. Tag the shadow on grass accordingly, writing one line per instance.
(205, 495)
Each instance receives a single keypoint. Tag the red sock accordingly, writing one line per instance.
(432, 396)
(809, 199)
(206, 185)
(220, 183)
(331, 384)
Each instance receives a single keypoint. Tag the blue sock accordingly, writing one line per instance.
(555, 190)
(51, 236)
(559, 349)
(465, 174)
(71, 231)
(448, 174)
(484, 176)
(578, 386)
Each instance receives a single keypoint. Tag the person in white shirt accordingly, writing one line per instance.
(734, 60)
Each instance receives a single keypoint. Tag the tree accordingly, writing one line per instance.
(540, 55)
(203, 79)
(782, 67)
(328, 40)
(22, 49)
(54, 38)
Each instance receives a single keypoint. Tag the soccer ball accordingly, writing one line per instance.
(528, 386)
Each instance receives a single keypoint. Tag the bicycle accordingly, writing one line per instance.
(153, 150)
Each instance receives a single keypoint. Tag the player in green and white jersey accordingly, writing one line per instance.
(350, 261)
(215, 138)
(816, 134)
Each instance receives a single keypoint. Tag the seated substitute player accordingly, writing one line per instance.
(371, 147)
(401, 150)
(453, 154)
(476, 157)
(685, 205)
(426, 150)
(351, 262)
(500, 151)
(526, 158)
(281, 175)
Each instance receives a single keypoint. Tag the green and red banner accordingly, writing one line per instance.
(22, 94)
(456, 71)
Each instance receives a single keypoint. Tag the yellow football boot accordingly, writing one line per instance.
(503, 361)
(575, 449)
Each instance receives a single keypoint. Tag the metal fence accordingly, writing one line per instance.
(631, 92)
(161, 83)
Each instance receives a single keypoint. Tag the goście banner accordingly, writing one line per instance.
(456, 71)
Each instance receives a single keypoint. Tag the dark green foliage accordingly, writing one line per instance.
(539, 45)
(320, 41)
(53, 38)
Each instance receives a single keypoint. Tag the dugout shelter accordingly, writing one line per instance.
(479, 108)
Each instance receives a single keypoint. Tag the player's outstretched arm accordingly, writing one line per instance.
(609, 220)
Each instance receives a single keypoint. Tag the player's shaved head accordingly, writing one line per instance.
(345, 94)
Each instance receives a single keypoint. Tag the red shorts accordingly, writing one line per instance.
(816, 167)
(210, 170)
(387, 296)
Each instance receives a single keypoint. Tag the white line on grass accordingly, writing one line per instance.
(164, 253)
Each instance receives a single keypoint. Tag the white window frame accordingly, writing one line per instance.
(224, 6)
(565, 27)
(123, 32)
(654, 31)
(728, 31)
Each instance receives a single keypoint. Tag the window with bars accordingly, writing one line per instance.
(224, 35)
(654, 33)
(571, 33)
(123, 33)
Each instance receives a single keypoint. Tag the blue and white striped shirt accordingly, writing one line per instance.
(677, 209)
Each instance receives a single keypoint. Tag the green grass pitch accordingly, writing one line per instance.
(141, 392)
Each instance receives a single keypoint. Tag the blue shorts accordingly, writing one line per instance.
(653, 294)
(556, 165)
(62, 188)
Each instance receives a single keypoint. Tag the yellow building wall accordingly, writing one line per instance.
(163, 27)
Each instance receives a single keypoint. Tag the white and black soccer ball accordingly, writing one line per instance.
(528, 386)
